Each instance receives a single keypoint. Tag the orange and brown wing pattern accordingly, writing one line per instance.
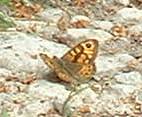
(47, 60)
(57, 65)
(83, 53)
(76, 64)
(86, 72)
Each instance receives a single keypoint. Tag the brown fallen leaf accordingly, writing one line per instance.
(24, 10)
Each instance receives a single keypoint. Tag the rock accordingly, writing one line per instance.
(26, 90)
(17, 51)
(123, 2)
(100, 35)
(128, 15)
(51, 15)
(111, 62)
(104, 25)
(47, 90)
(135, 29)
(131, 78)
(80, 21)
(30, 27)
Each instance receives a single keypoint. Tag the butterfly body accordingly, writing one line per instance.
(77, 64)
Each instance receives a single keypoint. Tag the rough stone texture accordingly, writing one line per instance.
(130, 15)
(123, 2)
(17, 49)
(115, 90)
(104, 25)
(89, 33)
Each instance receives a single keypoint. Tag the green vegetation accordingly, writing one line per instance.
(4, 2)
(4, 113)
(5, 21)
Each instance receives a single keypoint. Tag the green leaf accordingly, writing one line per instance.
(5, 21)
(4, 2)
(4, 113)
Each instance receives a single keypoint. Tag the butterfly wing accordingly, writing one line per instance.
(79, 72)
(68, 71)
(76, 64)
(80, 59)
(84, 53)
(58, 66)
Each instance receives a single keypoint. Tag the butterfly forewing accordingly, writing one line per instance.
(80, 59)
(84, 53)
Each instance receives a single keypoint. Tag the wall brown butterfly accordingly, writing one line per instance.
(77, 64)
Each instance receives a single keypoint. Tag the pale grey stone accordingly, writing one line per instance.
(128, 15)
(123, 2)
(89, 34)
(104, 25)
(135, 29)
(111, 62)
(51, 15)
(17, 48)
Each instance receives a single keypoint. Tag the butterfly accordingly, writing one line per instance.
(77, 64)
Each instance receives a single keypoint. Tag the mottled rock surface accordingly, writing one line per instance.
(114, 91)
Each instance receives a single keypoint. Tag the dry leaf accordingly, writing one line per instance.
(63, 23)
(80, 21)
(119, 30)
(24, 10)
